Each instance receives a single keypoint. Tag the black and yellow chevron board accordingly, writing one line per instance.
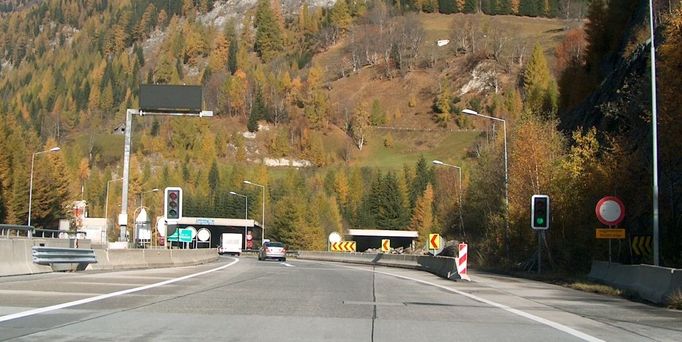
(343, 246)
(641, 245)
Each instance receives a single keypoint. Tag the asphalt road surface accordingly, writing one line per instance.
(249, 300)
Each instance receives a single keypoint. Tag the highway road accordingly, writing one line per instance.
(242, 299)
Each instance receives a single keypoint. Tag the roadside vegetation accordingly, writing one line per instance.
(675, 300)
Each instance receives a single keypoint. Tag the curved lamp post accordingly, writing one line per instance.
(459, 170)
(506, 175)
(262, 237)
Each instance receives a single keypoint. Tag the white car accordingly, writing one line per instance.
(273, 250)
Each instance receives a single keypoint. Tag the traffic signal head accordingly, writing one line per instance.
(539, 212)
(172, 203)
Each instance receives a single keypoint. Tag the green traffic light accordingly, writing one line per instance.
(540, 221)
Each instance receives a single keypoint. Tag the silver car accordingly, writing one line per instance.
(273, 250)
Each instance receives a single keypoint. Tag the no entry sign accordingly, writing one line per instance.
(610, 210)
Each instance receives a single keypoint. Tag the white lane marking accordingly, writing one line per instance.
(288, 265)
(524, 314)
(108, 295)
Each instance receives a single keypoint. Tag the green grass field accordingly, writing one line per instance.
(409, 146)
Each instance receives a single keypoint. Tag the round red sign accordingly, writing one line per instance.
(610, 210)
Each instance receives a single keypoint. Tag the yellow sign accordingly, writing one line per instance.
(386, 245)
(434, 241)
(343, 246)
(610, 233)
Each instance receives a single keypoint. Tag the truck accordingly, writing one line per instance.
(230, 243)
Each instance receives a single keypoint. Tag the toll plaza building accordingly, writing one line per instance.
(218, 226)
(371, 238)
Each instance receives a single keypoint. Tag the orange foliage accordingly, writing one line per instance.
(571, 50)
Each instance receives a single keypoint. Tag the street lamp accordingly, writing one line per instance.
(654, 136)
(459, 170)
(30, 187)
(262, 237)
(145, 192)
(106, 209)
(246, 213)
(506, 175)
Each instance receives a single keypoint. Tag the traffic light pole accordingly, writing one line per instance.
(539, 251)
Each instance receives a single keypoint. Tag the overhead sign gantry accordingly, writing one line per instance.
(157, 99)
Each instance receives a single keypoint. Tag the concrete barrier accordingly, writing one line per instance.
(16, 258)
(445, 267)
(652, 283)
(115, 259)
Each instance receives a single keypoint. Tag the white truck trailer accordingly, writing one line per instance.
(230, 243)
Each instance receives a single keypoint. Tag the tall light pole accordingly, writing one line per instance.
(30, 187)
(106, 209)
(246, 213)
(145, 192)
(506, 176)
(654, 135)
(262, 237)
(459, 170)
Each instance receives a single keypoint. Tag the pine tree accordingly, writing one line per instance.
(355, 199)
(423, 176)
(388, 209)
(269, 38)
(470, 6)
(232, 55)
(531, 8)
(598, 41)
(213, 176)
(339, 15)
(447, 6)
(258, 111)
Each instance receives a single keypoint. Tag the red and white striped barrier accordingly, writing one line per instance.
(462, 262)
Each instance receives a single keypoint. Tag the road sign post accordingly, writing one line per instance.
(610, 211)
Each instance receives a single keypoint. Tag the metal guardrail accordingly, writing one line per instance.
(7, 230)
(57, 255)
(16, 230)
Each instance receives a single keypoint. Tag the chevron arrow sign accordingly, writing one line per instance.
(343, 246)
(641, 245)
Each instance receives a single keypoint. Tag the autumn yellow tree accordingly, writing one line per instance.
(539, 85)
(218, 58)
(422, 218)
(360, 124)
(535, 150)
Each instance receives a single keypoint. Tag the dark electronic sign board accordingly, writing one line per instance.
(170, 98)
